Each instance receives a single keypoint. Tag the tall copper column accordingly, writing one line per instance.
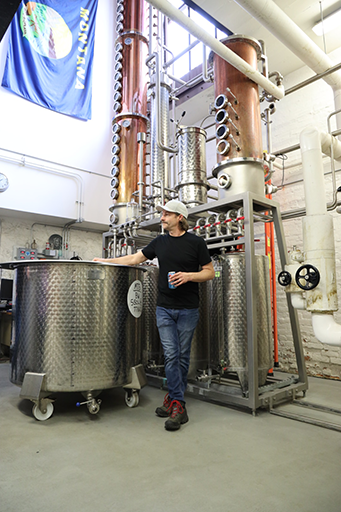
(238, 122)
(130, 106)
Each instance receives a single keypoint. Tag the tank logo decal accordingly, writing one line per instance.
(96, 273)
(135, 299)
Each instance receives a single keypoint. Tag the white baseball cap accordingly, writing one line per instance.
(174, 206)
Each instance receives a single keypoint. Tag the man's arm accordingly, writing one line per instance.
(206, 274)
(130, 259)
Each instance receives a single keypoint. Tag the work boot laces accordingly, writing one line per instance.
(176, 408)
(167, 402)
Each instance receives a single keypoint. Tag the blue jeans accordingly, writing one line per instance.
(176, 329)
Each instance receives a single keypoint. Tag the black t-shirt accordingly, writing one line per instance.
(184, 253)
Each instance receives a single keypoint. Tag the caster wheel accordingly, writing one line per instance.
(42, 416)
(132, 398)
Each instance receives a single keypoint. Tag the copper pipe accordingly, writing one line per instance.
(245, 125)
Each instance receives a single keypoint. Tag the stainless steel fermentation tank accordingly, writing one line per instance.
(220, 339)
(228, 326)
(77, 327)
(153, 359)
(152, 353)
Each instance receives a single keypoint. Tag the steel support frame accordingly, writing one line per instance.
(226, 394)
(252, 204)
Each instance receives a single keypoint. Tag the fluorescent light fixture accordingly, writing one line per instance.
(329, 23)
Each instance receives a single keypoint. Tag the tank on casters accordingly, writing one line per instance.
(77, 328)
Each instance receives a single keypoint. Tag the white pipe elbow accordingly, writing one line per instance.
(325, 328)
(297, 301)
(326, 141)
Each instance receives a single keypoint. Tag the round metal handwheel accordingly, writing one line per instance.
(307, 277)
(40, 415)
(284, 278)
(132, 398)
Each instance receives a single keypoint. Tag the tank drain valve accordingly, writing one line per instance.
(92, 404)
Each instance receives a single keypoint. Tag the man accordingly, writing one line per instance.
(177, 311)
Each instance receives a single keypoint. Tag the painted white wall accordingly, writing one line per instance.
(81, 147)
(19, 232)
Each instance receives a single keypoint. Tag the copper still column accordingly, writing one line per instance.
(130, 106)
(238, 122)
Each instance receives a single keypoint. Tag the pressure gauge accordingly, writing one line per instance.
(4, 183)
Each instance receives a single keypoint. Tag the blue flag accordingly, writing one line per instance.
(50, 55)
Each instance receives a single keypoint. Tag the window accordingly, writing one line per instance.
(178, 39)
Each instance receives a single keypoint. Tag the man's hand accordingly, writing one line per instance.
(206, 274)
(179, 278)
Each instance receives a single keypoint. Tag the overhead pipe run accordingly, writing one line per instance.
(279, 24)
(218, 48)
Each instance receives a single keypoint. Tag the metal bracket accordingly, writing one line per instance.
(138, 378)
(32, 385)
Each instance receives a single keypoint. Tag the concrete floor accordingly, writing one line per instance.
(124, 460)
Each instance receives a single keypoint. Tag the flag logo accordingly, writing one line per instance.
(45, 30)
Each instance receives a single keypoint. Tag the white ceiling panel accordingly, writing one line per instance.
(305, 13)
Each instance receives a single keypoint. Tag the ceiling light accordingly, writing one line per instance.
(329, 23)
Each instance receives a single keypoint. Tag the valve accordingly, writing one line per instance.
(307, 277)
(92, 404)
(284, 278)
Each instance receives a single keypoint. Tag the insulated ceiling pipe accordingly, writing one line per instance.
(218, 48)
(281, 26)
(318, 240)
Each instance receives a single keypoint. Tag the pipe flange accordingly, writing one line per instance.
(232, 161)
(114, 193)
(223, 147)
(224, 181)
(116, 138)
(222, 132)
(221, 101)
(221, 116)
(115, 171)
(116, 128)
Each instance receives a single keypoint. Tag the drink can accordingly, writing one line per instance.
(170, 285)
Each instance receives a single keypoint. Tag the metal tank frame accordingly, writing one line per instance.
(277, 389)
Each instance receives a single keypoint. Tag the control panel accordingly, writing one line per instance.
(26, 254)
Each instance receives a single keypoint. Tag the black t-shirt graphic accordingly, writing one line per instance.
(184, 253)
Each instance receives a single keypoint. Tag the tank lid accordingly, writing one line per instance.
(191, 129)
(11, 265)
(235, 38)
